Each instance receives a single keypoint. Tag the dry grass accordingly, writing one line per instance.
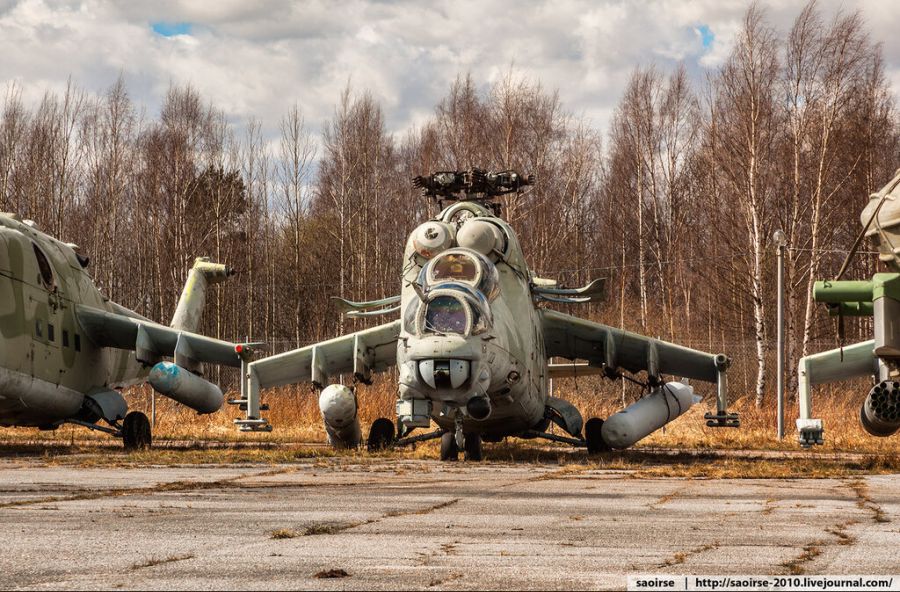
(284, 533)
(295, 416)
(865, 502)
(682, 556)
(155, 561)
(329, 528)
(331, 573)
(797, 566)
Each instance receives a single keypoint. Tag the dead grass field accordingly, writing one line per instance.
(559, 462)
(295, 416)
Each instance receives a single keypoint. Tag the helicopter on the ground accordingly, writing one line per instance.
(65, 348)
(473, 344)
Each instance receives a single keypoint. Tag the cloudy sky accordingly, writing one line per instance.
(257, 58)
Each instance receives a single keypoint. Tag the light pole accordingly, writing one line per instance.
(780, 243)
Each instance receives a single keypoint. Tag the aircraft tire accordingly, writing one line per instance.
(592, 435)
(449, 449)
(474, 449)
(381, 435)
(136, 431)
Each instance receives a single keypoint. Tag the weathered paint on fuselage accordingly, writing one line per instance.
(47, 364)
(514, 344)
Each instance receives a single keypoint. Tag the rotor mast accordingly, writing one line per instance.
(474, 184)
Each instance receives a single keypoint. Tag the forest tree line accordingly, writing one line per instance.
(675, 204)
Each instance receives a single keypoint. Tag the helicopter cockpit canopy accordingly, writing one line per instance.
(456, 287)
(449, 308)
(462, 266)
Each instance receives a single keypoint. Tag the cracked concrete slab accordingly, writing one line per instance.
(421, 524)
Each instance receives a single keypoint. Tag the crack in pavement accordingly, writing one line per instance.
(664, 499)
(169, 486)
(681, 557)
(860, 489)
(865, 502)
(326, 528)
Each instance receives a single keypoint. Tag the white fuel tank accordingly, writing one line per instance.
(338, 406)
(185, 387)
(642, 418)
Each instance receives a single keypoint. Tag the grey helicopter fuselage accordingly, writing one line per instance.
(66, 349)
(471, 341)
(47, 364)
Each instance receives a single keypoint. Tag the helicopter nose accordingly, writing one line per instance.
(443, 374)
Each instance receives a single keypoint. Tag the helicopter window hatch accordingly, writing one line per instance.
(410, 315)
(480, 322)
(446, 314)
(46, 272)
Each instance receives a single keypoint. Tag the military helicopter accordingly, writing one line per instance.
(472, 344)
(879, 298)
(65, 348)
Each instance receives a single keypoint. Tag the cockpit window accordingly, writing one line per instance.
(455, 266)
(411, 315)
(462, 266)
(446, 314)
(454, 308)
(43, 267)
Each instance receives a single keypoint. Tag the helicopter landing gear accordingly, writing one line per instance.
(136, 431)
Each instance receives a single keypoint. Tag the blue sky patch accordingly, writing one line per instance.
(171, 29)
(706, 35)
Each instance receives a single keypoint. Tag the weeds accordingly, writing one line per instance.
(296, 418)
(797, 566)
(331, 573)
(284, 533)
(155, 561)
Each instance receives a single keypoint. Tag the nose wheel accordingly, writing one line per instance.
(473, 448)
(381, 435)
(449, 448)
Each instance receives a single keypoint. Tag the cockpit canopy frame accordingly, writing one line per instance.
(463, 266)
(450, 308)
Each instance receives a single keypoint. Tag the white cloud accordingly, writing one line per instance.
(256, 59)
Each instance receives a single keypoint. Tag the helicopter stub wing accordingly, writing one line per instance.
(151, 341)
(360, 353)
(548, 290)
(574, 338)
(345, 305)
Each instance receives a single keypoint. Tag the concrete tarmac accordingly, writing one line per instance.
(412, 524)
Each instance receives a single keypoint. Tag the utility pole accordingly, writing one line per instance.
(780, 244)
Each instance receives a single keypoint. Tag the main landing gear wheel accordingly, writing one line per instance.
(381, 435)
(449, 448)
(473, 447)
(593, 436)
(136, 431)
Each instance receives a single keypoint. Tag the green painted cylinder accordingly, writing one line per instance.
(852, 309)
(836, 292)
